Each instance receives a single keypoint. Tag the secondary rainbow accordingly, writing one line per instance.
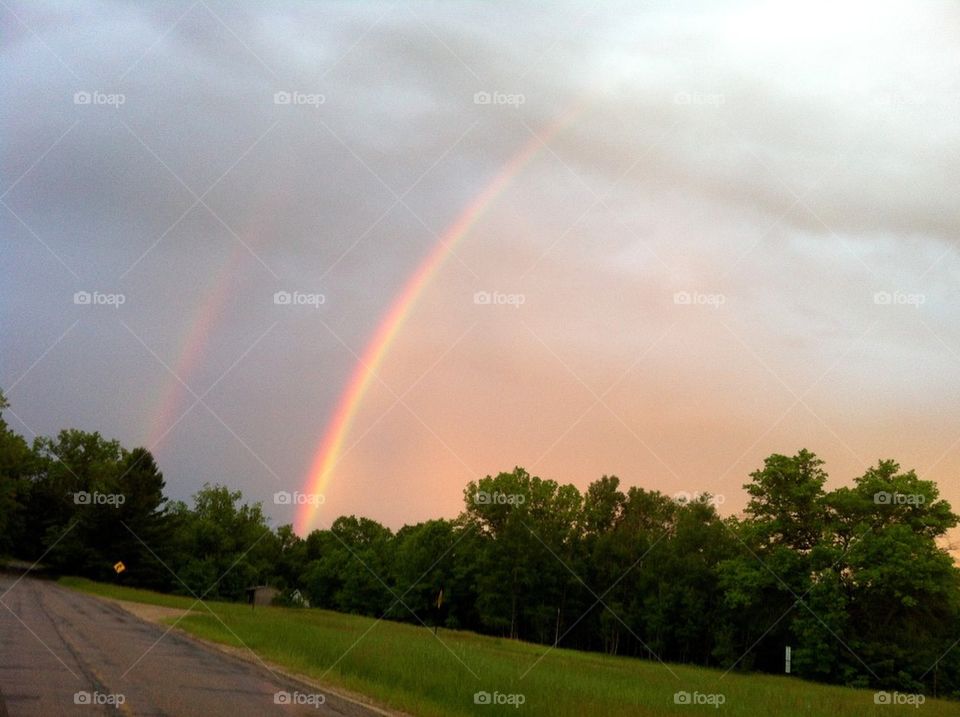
(329, 451)
(220, 289)
(193, 346)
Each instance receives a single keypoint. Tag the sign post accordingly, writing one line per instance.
(786, 660)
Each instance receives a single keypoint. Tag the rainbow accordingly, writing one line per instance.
(169, 406)
(330, 448)
(167, 413)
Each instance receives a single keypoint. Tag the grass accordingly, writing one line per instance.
(407, 668)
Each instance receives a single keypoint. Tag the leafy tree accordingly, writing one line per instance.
(424, 564)
(16, 466)
(223, 544)
(75, 498)
(349, 573)
(894, 589)
(144, 546)
(765, 582)
(786, 500)
(523, 569)
(289, 557)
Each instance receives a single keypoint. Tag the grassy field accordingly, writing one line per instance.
(409, 669)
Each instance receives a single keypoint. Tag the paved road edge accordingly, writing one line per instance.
(349, 704)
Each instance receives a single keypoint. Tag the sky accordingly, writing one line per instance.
(372, 251)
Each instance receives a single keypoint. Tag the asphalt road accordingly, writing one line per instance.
(65, 653)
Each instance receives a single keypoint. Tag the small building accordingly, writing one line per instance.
(261, 595)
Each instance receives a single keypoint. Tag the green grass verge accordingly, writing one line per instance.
(408, 668)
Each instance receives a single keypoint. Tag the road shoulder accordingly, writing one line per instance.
(347, 703)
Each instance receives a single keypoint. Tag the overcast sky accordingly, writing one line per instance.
(790, 169)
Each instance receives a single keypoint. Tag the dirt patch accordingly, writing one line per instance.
(150, 613)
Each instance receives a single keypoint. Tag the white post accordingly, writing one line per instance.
(786, 660)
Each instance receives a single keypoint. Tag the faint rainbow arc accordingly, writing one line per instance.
(328, 453)
(166, 416)
(168, 412)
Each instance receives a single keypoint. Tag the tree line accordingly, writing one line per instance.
(855, 580)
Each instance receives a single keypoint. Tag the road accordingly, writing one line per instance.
(66, 653)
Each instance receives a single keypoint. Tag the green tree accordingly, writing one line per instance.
(351, 570)
(146, 543)
(16, 466)
(785, 520)
(424, 564)
(528, 529)
(75, 500)
(223, 544)
(893, 587)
